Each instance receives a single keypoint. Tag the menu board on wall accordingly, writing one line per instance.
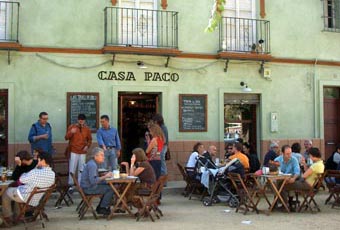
(193, 113)
(86, 103)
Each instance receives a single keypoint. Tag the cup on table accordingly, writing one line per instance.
(3, 177)
(115, 174)
(265, 170)
(217, 161)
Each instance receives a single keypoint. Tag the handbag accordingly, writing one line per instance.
(167, 154)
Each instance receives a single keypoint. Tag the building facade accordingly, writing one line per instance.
(271, 71)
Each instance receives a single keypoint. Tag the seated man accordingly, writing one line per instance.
(287, 163)
(24, 163)
(237, 148)
(206, 158)
(92, 183)
(42, 177)
(271, 154)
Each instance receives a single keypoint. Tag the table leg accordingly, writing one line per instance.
(277, 195)
(121, 203)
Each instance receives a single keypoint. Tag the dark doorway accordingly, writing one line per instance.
(135, 111)
(3, 126)
(331, 119)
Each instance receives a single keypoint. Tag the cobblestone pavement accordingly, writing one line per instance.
(181, 213)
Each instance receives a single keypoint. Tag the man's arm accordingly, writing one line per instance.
(100, 140)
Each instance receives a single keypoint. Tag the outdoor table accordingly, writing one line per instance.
(276, 187)
(120, 186)
(3, 187)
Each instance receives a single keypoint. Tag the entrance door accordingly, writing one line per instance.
(240, 118)
(331, 119)
(3, 126)
(135, 111)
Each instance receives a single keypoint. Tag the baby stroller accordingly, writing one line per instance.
(220, 187)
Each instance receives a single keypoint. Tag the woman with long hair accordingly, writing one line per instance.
(153, 152)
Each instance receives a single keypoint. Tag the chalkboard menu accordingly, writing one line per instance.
(86, 103)
(192, 112)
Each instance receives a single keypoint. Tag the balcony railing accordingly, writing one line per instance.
(141, 28)
(9, 21)
(244, 35)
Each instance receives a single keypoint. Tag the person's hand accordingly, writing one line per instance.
(43, 136)
(108, 175)
(85, 148)
(126, 164)
(73, 130)
(118, 153)
(291, 180)
(17, 161)
(133, 160)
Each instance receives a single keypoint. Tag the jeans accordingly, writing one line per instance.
(77, 161)
(164, 170)
(156, 165)
(101, 189)
(111, 160)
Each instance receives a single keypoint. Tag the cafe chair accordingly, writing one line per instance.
(147, 200)
(245, 194)
(37, 211)
(332, 179)
(194, 183)
(86, 200)
(309, 195)
(62, 189)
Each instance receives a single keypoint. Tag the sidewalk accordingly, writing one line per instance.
(181, 213)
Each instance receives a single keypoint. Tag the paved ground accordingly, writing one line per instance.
(181, 213)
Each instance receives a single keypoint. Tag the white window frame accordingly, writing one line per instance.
(138, 39)
(334, 17)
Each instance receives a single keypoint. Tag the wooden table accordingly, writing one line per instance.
(120, 187)
(272, 181)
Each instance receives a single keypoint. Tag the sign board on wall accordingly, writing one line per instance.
(193, 113)
(86, 103)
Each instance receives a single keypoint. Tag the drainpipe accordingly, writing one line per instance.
(316, 123)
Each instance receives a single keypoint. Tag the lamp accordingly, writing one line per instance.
(245, 87)
(141, 65)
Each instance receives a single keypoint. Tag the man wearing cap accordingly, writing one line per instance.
(80, 140)
(273, 152)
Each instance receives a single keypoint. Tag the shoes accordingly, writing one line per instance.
(103, 211)
(71, 190)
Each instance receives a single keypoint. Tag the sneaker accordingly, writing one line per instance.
(70, 190)
(103, 211)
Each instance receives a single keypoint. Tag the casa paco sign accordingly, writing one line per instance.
(130, 76)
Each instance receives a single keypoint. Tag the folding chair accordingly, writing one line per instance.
(87, 199)
(246, 195)
(184, 175)
(195, 186)
(308, 195)
(148, 200)
(330, 178)
(63, 189)
(38, 211)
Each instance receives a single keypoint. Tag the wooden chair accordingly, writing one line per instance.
(308, 195)
(331, 178)
(63, 189)
(87, 199)
(184, 175)
(38, 211)
(148, 200)
(246, 194)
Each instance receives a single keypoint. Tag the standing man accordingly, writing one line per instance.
(80, 140)
(108, 139)
(308, 145)
(158, 118)
(40, 135)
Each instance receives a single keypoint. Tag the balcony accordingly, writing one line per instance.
(141, 31)
(9, 25)
(244, 38)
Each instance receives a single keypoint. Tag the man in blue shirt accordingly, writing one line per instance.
(108, 139)
(92, 183)
(40, 135)
(288, 164)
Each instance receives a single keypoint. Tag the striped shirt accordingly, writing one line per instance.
(38, 177)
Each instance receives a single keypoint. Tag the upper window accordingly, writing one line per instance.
(240, 9)
(9, 13)
(331, 15)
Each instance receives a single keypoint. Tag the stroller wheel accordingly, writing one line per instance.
(207, 201)
(233, 202)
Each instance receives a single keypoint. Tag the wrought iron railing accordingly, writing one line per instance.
(9, 21)
(331, 15)
(141, 28)
(244, 35)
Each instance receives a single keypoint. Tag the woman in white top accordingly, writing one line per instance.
(197, 150)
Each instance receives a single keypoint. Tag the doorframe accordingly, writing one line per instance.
(11, 122)
(259, 117)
